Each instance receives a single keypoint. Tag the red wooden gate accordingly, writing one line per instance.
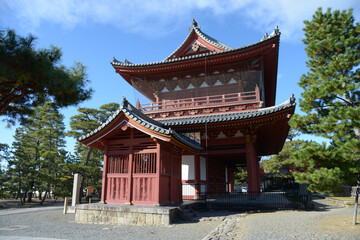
(143, 178)
(117, 178)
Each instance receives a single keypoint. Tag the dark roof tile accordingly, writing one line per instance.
(213, 118)
(146, 121)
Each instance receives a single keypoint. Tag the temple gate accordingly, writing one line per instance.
(142, 160)
(212, 111)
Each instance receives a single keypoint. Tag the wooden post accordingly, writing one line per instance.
(173, 188)
(130, 174)
(252, 166)
(104, 177)
(65, 205)
(157, 178)
(257, 93)
(197, 176)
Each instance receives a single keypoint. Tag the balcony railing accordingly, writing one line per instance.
(198, 102)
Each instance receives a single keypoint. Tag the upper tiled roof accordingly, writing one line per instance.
(207, 38)
(196, 28)
(224, 117)
(145, 121)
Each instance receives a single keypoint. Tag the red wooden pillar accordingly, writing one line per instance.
(104, 177)
(230, 179)
(252, 165)
(130, 173)
(197, 176)
(258, 175)
(157, 175)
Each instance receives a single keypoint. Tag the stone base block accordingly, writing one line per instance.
(125, 214)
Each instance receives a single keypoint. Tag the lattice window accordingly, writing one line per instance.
(144, 163)
(118, 163)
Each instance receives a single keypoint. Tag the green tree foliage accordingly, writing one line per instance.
(241, 176)
(330, 101)
(23, 167)
(282, 165)
(4, 157)
(51, 135)
(28, 77)
(39, 161)
(89, 160)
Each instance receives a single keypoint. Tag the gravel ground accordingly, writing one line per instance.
(53, 224)
(327, 222)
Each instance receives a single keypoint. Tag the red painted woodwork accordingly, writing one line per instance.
(267, 51)
(144, 167)
(117, 188)
(187, 46)
(252, 164)
(104, 179)
(206, 101)
(197, 175)
(144, 189)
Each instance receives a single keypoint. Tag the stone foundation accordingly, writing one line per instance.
(123, 214)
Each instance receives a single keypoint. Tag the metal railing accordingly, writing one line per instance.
(290, 198)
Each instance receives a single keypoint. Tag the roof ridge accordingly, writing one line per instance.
(136, 115)
(265, 38)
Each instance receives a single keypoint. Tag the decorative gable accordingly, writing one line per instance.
(198, 42)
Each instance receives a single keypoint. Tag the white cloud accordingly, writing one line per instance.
(158, 17)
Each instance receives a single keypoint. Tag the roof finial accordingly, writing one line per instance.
(115, 60)
(292, 99)
(275, 32)
(124, 101)
(264, 37)
(194, 23)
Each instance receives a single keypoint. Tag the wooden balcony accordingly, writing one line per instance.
(207, 104)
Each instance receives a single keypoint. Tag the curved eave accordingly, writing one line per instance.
(137, 120)
(155, 67)
(230, 117)
(268, 49)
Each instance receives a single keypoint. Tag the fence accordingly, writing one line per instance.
(289, 198)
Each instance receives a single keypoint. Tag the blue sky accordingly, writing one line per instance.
(93, 32)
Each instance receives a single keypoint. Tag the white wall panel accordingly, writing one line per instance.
(203, 168)
(188, 167)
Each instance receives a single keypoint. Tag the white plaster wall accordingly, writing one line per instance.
(188, 167)
(203, 168)
(203, 188)
(188, 189)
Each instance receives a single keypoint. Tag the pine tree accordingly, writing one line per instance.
(39, 161)
(28, 77)
(282, 165)
(51, 136)
(4, 157)
(89, 159)
(330, 101)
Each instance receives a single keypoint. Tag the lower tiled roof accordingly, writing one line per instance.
(163, 125)
(225, 117)
(145, 121)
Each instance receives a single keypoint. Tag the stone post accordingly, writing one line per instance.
(76, 189)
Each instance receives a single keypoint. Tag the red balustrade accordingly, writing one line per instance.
(207, 101)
